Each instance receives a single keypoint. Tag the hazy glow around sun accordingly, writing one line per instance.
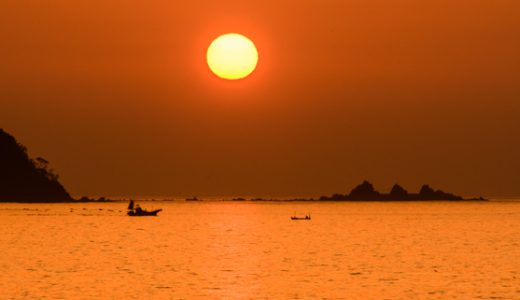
(232, 56)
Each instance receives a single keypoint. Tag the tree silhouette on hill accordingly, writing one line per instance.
(23, 179)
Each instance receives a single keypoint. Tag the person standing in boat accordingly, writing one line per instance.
(131, 205)
(135, 208)
(138, 209)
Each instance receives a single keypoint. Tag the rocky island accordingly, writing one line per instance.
(366, 192)
(23, 179)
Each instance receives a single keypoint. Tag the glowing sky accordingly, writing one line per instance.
(118, 96)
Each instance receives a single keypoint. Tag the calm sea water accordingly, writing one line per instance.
(229, 250)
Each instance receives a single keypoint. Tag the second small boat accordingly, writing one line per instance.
(307, 217)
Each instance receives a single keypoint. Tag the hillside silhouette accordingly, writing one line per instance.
(23, 179)
(366, 192)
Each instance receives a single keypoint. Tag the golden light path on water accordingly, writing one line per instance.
(229, 250)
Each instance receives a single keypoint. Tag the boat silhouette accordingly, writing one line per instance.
(137, 211)
(307, 217)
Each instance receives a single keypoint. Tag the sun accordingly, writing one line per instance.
(232, 56)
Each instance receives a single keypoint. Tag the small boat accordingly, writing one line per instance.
(143, 213)
(307, 217)
(139, 212)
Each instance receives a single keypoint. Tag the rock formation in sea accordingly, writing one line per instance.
(366, 192)
(23, 179)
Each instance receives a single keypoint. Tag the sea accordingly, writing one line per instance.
(253, 250)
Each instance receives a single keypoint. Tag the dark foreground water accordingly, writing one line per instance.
(229, 250)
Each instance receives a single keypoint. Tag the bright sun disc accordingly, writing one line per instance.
(232, 56)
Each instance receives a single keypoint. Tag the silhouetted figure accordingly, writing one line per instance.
(131, 205)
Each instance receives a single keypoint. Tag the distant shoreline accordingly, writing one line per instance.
(33, 181)
(363, 192)
(262, 200)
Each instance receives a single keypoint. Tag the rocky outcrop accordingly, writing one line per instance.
(23, 179)
(366, 192)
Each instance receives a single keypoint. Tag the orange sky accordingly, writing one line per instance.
(118, 97)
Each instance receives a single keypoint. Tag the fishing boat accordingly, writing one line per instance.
(307, 217)
(137, 211)
(143, 213)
